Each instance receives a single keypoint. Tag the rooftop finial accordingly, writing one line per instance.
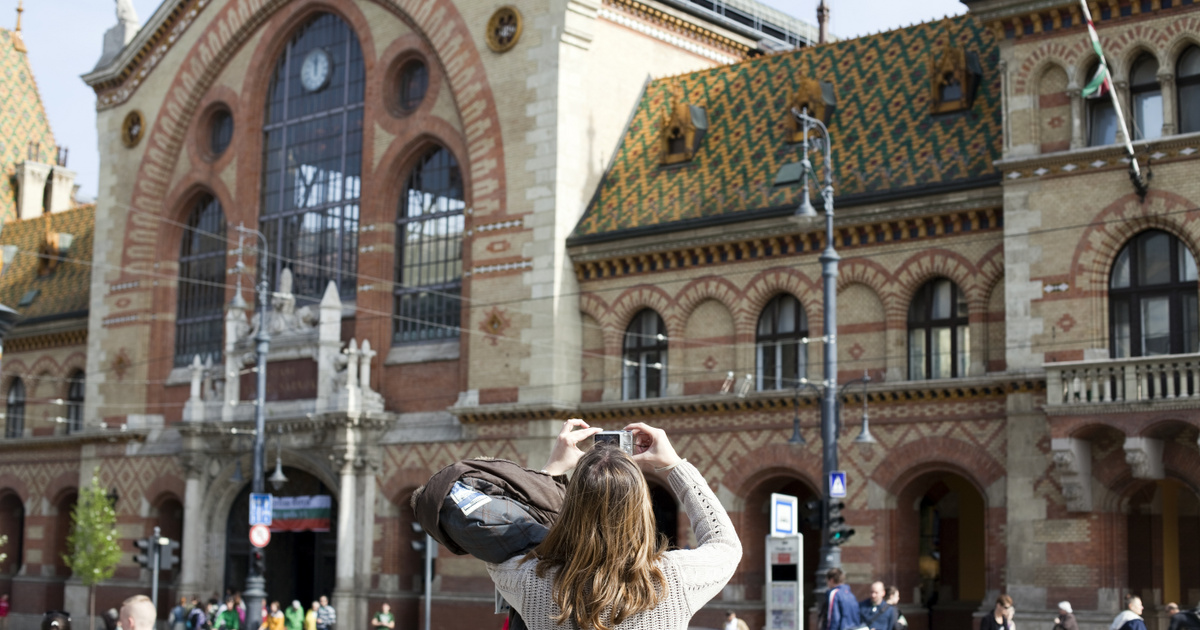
(20, 10)
(822, 22)
(18, 43)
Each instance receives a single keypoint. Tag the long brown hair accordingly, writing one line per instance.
(604, 544)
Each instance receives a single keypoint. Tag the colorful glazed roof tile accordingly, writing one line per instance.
(884, 138)
(23, 121)
(65, 290)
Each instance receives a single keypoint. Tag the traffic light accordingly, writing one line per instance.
(146, 558)
(167, 557)
(259, 562)
(812, 514)
(838, 532)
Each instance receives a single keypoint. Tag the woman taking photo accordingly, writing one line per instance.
(603, 566)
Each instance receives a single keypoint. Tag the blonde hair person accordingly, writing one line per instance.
(603, 566)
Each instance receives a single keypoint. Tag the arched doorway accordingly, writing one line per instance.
(753, 531)
(12, 526)
(1161, 519)
(941, 547)
(300, 564)
(62, 530)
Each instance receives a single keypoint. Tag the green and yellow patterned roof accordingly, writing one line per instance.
(63, 291)
(884, 138)
(22, 120)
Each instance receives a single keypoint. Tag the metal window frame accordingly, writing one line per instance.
(1131, 297)
(777, 339)
(928, 324)
(199, 309)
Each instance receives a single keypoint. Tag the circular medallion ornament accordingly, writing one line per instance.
(504, 29)
(260, 536)
(315, 70)
(133, 128)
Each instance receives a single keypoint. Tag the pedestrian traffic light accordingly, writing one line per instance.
(838, 532)
(146, 558)
(259, 562)
(812, 514)
(167, 556)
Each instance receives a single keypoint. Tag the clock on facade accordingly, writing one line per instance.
(315, 70)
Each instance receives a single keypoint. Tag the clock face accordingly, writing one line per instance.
(315, 70)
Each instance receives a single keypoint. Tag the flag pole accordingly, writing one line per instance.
(1138, 181)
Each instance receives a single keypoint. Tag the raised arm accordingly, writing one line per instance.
(706, 569)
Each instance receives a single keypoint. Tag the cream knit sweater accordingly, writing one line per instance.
(693, 576)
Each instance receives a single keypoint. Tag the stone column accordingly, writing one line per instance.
(344, 599)
(191, 561)
(366, 531)
(1077, 118)
(1166, 82)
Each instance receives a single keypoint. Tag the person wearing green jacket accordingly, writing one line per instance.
(227, 619)
(293, 617)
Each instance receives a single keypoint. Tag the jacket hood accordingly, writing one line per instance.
(1123, 618)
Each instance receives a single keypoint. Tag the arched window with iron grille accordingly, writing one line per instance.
(199, 316)
(312, 158)
(429, 233)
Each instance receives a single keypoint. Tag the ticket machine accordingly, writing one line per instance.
(784, 592)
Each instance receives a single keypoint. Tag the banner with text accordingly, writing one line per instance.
(301, 514)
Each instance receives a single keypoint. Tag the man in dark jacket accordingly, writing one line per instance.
(840, 609)
(1131, 617)
(874, 612)
(1186, 620)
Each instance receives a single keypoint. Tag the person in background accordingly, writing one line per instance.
(274, 620)
(1001, 617)
(240, 607)
(384, 618)
(732, 622)
(293, 617)
(1131, 617)
(4, 606)
(137, 613)
(893, 600)
(227, 618)
(326, 615)
(1186, 620)
(839, 610)
(197, 618)
(1172, 609)
(310, 618)
(1066, 617)
(874, 611)
(177, 620)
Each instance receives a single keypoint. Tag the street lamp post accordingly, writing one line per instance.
(255, 581)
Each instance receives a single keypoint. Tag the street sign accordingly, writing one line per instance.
(784, 513)
(260, 509)
(837, 484)
(260, 536)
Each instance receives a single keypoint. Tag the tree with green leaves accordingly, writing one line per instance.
(93, 549)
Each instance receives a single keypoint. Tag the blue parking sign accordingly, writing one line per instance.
(260, 509)
(837, 484)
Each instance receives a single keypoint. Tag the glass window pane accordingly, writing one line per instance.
(1189, 108)
(1191, 324)
(1154, 258)
(789, 364)
(1156, 326)
(1187, 264)
(1121, 331)
(1120, 273)
(964, 350)
(1189, 63)
(942, 290)
(1102, 123)
(940, 357)
(916, 354)
(1145, 72)
(787, 314)
(654, 374)
(1148, 115)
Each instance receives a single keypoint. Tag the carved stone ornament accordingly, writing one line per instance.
(1073, 466)
(504, 29)
(133, 128)
(1144, 456)
(683, 128)
(817, 97)
(953, 77)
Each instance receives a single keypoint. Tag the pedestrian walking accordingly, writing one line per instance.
(274, 620)
(137, 613)
(1186, 620)
(1172, 609)
(1131, 617)
(310, 618)
(733, 622)
(893, 600)
(874, 612)
(227, 618)
(1066, 617)
(839, 611)
(602, 564)
(384, 618)
(293, 617)
(197, 618)
(1001, 617)
(177, 619)
(240, 607)
(326, 615)
(4, 611)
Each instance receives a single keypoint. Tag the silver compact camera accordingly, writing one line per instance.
(616, 439)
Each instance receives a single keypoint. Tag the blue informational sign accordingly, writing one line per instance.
(837, 484)
(260, 509)
(784, 509)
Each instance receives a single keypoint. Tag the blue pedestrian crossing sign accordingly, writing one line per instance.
(260, 509)
(837, 484)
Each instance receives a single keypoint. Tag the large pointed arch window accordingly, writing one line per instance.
(1101, 117)
(199, 314)
(1187, 87)
(938, 333)
(14, 412)
(312, 158)
(1146, 94)
(429, 232)
(782, 327)
(645, 357)
(1152, 297)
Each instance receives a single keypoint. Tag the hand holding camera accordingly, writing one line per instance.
(566, 453)
(651, 448)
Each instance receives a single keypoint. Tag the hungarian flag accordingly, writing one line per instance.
(301, 514)
(1101, 83)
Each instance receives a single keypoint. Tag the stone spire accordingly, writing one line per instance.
(822, 22)
(117, 37)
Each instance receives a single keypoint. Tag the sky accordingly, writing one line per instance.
(64, 38)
